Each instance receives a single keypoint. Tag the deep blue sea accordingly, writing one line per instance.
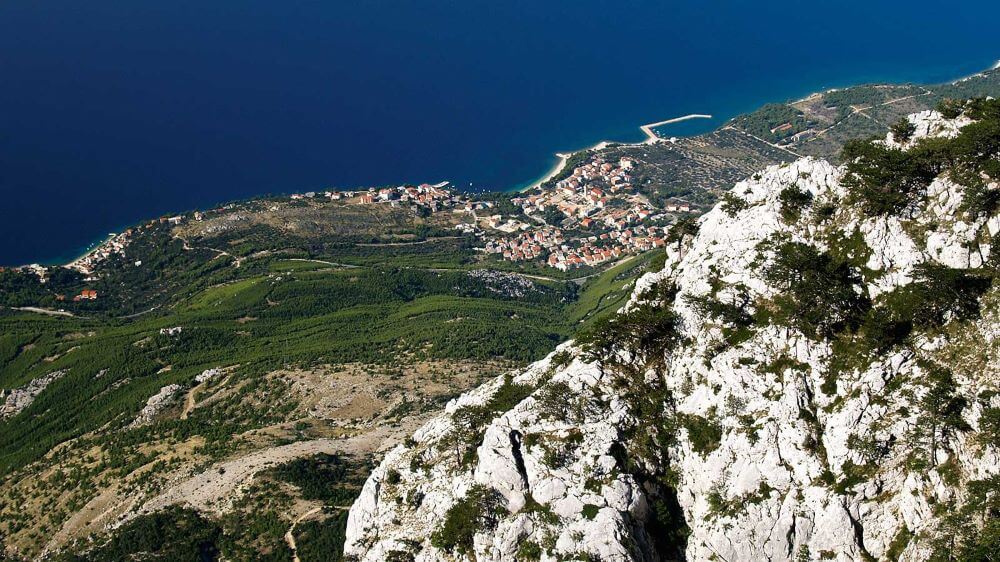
(112, 111)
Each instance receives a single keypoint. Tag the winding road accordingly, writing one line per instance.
(290, 534)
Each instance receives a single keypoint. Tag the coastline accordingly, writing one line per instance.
(81, 252)
(93, 247)
(647, 129)
(652, 137)
(559, 167)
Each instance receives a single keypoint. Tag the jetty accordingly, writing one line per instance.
(651, 135)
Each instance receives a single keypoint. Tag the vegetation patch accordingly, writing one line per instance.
(477, 512)
(649, 329)
(792, 202)
(884, 180)
(331, 479)
(322, 540)
(470, 421)
(733, 204)
(721, 506)
(172, 534)
(704, 434)
(820, 295)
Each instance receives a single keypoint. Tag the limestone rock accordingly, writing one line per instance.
(777, 464)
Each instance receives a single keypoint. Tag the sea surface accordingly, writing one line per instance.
(113, 111)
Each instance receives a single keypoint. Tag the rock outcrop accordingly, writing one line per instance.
(840, 431)
(18, 399)
(166, 397)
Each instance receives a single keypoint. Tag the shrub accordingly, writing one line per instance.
(735, 316)
(732, 204)
(982, 109)
(719, 505)
(647, 330)
(704, 434)
(940, 414)
(393, 477)
(899, 543)
(820, 296)
(557, 401)
(950, 108)
(590, 511)
(477, 511)
(825, 212)
(684, 228)
(507, 396)
(529, 550)
(902, 130)
(989, 427)
(937, 294)
(469, 421)
(793, 200)
(884, 180)
(561, 359)
(882, 330)
(851, 249)
(979, 200)
(971, 532)
(734, 313)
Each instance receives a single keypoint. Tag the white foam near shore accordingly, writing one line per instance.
(647, 129)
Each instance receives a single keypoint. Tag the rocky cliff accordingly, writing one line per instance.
(812, 375)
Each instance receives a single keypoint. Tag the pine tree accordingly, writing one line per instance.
(940, 415)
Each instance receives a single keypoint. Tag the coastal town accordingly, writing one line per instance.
(590, 216)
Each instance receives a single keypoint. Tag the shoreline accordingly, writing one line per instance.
(647, 129)
(93, 247)
(559, 165)
(652, 137)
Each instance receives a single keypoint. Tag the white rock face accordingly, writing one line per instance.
(930, 123)
(780, 480)
(207, 375)
(18, 399)
(166, 397)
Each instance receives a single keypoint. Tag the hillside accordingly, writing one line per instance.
(241, 370)
(329, 358)
(698, 169)
(812, 375)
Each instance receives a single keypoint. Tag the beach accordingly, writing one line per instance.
(647, 129)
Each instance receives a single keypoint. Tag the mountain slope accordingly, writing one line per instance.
(812, 375)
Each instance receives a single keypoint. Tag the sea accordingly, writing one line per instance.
(114, 111)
